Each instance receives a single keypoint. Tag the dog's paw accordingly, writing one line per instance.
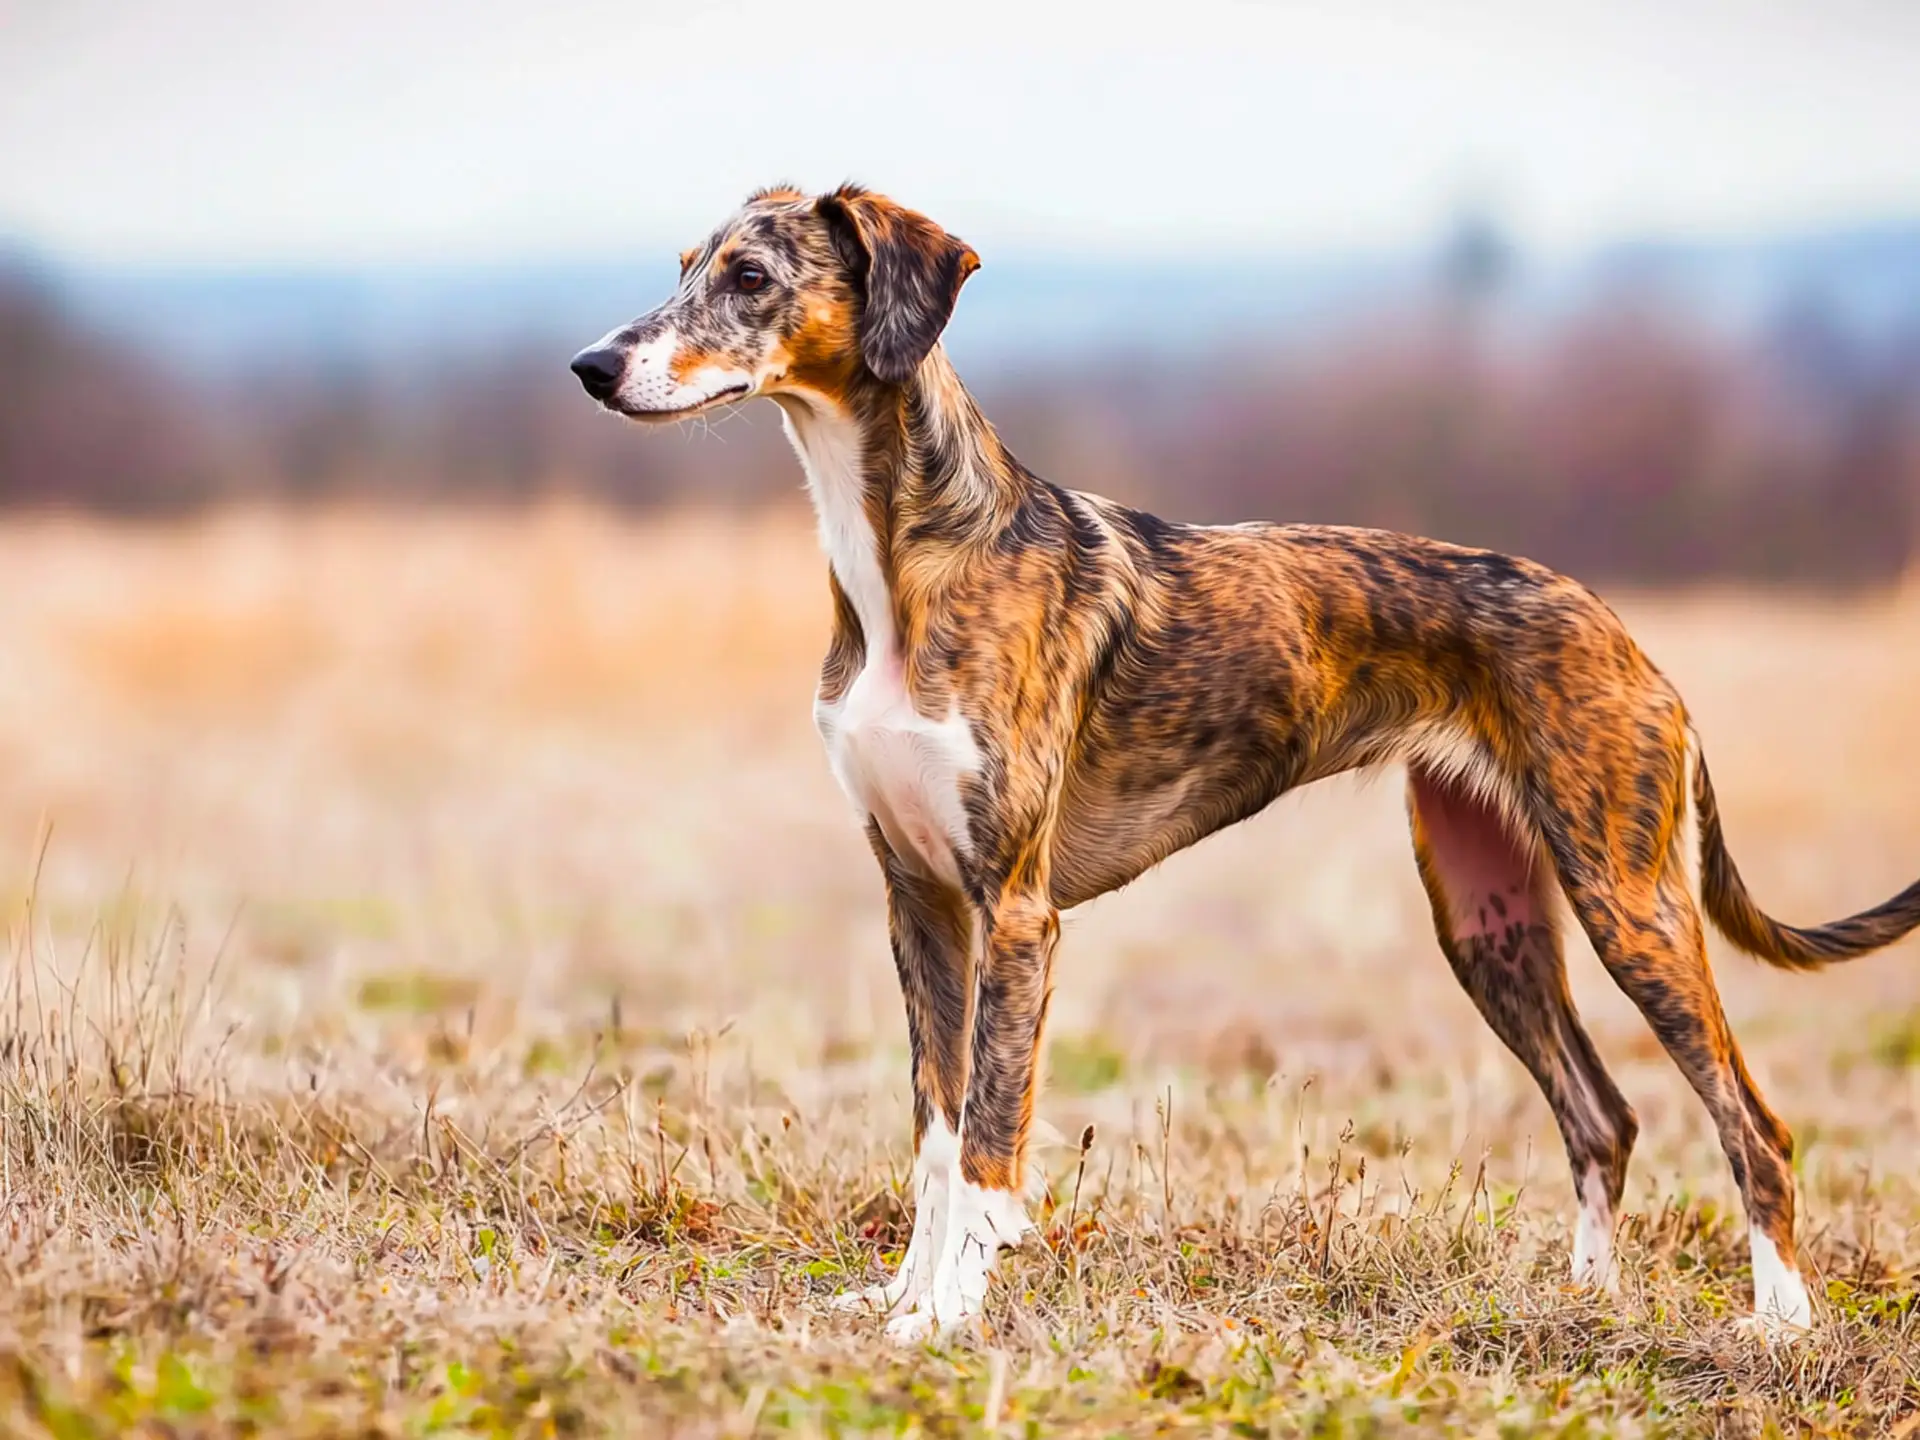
(903, 1292)
(1781, 1306)
(913, 1328)
(929, 1321)
(1771, 1329)
(1774, 1328)
(875, 1299)
(1592, 1281)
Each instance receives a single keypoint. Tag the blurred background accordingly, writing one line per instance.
(1633, 289)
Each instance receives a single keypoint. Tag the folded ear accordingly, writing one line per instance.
(912, 270)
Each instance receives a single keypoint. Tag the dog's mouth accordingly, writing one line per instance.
(663, 417)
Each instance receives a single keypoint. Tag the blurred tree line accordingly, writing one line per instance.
(1618, 444)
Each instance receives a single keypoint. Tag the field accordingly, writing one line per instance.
(447, 993)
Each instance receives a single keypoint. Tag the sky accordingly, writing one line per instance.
(413, 131)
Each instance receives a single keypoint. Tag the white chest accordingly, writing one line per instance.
(902, 768)
(895, 764)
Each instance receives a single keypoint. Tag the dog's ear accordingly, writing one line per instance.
(912, 271)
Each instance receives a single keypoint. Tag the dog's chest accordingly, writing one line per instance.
(895, 764)
(902, 768)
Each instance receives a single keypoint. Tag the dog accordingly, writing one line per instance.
(1032, 695)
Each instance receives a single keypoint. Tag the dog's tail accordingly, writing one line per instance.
(1789, 947)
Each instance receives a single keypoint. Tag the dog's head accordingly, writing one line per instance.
(794, 294)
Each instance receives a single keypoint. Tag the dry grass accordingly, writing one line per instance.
(446, 992)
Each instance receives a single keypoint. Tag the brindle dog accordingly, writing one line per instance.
(1032, 695)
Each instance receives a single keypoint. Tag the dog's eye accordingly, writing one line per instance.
(750, 278)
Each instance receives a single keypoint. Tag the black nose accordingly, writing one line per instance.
(600, 371)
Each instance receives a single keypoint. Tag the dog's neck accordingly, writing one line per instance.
(905, 480)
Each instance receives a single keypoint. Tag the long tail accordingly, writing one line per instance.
(1788, 946)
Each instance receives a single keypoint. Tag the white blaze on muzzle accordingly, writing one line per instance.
(650, 386)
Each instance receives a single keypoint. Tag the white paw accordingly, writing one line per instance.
(1592, 1277)
(1593, 1262)
(1601, 1272)
(883, 1299)
(935, 1171)
(958, 1295)
(911, 1328)
(980, 1223)
(915, 1276)
(1772, 1327)
(1781, 1305)
(1783, 1316)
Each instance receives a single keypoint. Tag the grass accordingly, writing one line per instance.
(445, 994)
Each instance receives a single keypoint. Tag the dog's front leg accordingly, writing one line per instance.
(930, 925)
(984, 1206)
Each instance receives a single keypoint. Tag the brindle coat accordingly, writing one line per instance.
(1130, 685)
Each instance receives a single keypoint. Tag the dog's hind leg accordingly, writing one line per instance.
(931, 930)
(1492, 895)
(1630, 886)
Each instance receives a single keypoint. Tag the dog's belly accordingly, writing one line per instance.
(1129, 806)
(1104, 841)
(901, 768)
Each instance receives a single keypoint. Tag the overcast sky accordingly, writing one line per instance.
(404, 130)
